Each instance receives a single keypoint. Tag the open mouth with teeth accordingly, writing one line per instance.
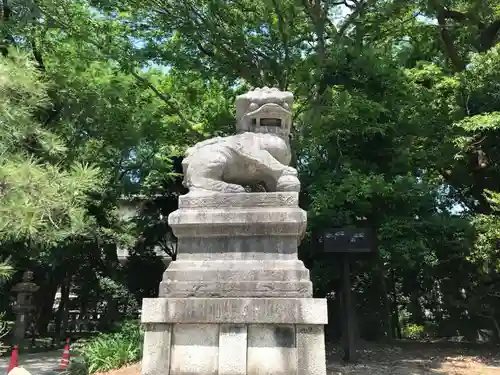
(274, 122)
(269, 115)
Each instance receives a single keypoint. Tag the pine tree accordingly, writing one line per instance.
(42, 197)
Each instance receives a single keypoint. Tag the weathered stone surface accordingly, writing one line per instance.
(210, 264)
(244, 200)
(223, 165)
(236, 289)
(311, 350)
(254, 106)
(233, 278)
(245, 214)
(233, 349)
(231, 218)
(228, 222)
(195, 349)
(271, 349)
(238, 247)
(237, 229)
(237, 301)
(259, 153)
(157, 340)
(24, 305)
(250, 270)
(235, 310)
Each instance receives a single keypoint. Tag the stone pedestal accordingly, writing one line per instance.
(237, 300)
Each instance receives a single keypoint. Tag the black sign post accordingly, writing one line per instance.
(345, 242)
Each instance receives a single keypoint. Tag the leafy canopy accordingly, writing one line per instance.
(40, 199)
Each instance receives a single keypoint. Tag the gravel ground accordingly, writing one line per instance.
(404, 359)
(36, 363)
(419, 359)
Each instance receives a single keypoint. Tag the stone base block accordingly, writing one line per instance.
(234, 336)
(237, 289)
(237, 245)
(238, 214)
(251, 278)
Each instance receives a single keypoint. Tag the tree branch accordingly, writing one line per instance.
(166, 98)
(449, 46)
(356, 11)
(284, 38)
(460, 17)
(5, 17)
(38, 56)
(54, 113)
(488, 36)
(144, 81)
(208, 52)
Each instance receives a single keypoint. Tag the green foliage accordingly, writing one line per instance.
(413, 331)
(111, 351)
(40, 200)
(396, 125)
(4, 331)
(6, 271)
(77, 366)
(118, 293)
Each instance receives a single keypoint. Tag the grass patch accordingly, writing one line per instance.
(109, 351)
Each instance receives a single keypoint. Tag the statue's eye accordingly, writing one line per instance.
(286, 106)
(253, 106)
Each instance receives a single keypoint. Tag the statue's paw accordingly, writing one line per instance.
(233, 188)
(289, 171)
(288, 183)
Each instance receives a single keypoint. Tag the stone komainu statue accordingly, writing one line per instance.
(260, 152)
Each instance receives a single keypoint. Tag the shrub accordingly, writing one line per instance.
(413, 331)
(110, 351)
(4, 330)
(6, 271)
(77, 366)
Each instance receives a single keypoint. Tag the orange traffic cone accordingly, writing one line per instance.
(14, 359)
(65, 357)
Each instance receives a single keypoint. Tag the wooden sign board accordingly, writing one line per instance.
(349, 240)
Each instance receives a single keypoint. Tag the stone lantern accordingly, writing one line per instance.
(24, 304)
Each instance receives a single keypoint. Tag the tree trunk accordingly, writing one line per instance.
(65, 312)
(415, 307)
(61, 311)
(45, 299)
(380, 275)
(396, 326)
(112, 313)
(5, 39)
(497, 328)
